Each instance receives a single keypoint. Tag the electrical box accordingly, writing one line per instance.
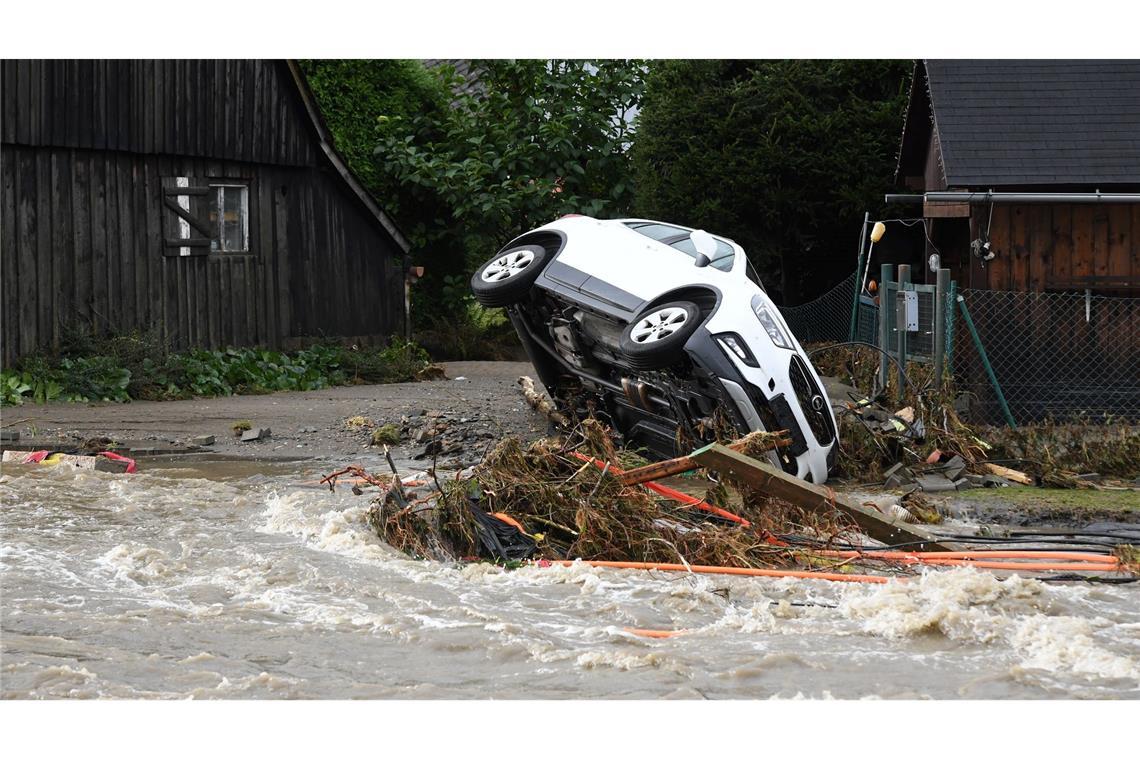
(910, 308)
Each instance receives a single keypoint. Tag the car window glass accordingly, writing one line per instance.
(657, 231)
(721, 260)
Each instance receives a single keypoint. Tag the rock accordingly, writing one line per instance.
(256, 434)
(935, 482)
(897, 476)
(202, 440)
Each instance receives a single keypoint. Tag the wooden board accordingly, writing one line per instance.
(781, 485)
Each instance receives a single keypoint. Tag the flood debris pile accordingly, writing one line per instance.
(564, 497)
(921, 441)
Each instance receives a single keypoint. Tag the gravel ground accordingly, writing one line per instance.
(477, 405)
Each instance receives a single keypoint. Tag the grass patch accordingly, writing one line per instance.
(1030, 497)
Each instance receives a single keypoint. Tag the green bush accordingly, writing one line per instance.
(782, 156)
(108, 375)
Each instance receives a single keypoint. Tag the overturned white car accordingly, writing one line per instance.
(662, 329)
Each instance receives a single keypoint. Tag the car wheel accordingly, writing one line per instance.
(657, 337)
(508, 277)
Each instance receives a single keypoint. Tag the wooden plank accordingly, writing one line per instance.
(250, 296)
(1062, 263)
(45, 300)
(239, 294)
(1082, 241)
(1040, 229)
(680, 464)
(113, 306)
(997, 269)
(62, 254)
(1100, 241)
(214, 285)
(781, 485)
(81, 212)
(945, 210)
(9, 273)
(97, 306)
(282, 290)
(26, 249)
(1019, 245)
(264, 253)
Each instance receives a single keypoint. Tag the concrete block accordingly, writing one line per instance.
(202, 440)
(256, 434)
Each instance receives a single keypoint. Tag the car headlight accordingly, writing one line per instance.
(771, 326)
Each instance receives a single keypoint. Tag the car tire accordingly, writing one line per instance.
(656, 338)
(508, 277)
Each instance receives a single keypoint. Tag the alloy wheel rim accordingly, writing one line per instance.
(508, 265)
(659, 325)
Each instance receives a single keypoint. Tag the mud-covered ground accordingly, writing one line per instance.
(478, 404)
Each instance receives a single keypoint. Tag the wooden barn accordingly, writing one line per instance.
(1029, 172)
(200, 198)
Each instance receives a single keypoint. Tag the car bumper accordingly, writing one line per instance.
(775, 397)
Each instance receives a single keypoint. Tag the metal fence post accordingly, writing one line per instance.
(940, 285)
(900, 326)
(986, 361)
(886, 272)
(858, 287)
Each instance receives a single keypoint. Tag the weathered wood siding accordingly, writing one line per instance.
(1051, 247)
(82, 228)
(218, 109)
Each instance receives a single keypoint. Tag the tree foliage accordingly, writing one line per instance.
(355, 95)
(782, 156)
(530, 141)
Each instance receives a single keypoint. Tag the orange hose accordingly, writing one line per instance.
(685, 499)
(715, 570)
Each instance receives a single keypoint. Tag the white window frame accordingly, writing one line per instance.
(221, 188)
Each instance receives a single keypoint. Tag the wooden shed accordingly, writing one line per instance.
(201, 198)
(1028, 171)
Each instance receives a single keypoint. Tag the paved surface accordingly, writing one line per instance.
(482, 395)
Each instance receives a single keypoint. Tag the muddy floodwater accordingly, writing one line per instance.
(234, 580)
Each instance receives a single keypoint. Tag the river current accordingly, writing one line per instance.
(231, 580)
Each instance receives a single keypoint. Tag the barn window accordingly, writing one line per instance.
(229, 218)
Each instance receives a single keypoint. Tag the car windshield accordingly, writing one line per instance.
(678, 238)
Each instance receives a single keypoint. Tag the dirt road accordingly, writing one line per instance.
(479, 402)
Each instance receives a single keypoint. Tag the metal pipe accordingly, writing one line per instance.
(886, 272)
(941, 284)
(900, 326)
(952, 196)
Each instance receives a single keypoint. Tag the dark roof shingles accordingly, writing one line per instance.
(1006, 122)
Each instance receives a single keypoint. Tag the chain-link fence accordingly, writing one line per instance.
(828, 318)
(1055, 355)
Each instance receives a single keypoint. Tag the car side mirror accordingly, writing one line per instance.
(705, 246)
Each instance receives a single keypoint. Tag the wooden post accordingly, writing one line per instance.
(779, 484)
